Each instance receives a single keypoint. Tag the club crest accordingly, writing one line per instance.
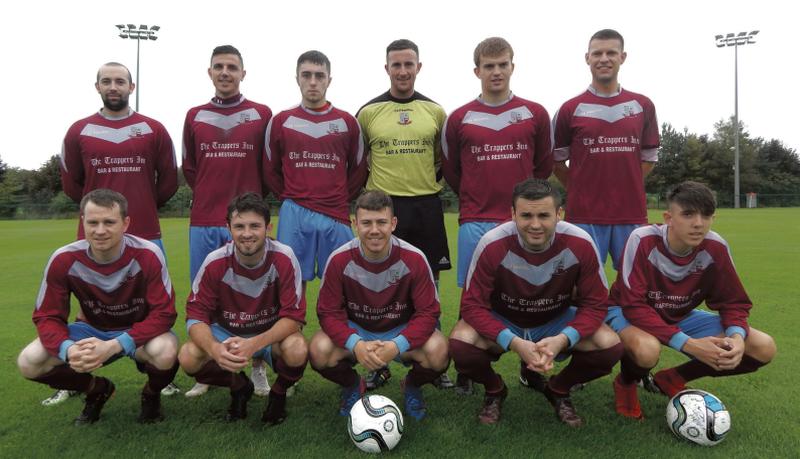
(404, 118)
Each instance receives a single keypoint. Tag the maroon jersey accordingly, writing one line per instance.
(133, 293)
(247, 301)
(222, 144)
(316, 159)
(657, 288)
(132, 155)
(487, 149)
(529, 289)
(605, 140)
(378, 296)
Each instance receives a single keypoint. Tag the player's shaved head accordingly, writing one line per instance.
(114, 64)
(374, 200)
(694, 197)
(104, 197)
(608, 34)
(533, 189)
(492, 47)
(248, 202)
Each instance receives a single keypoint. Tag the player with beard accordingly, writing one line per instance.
(121, 150)
(378, 303)
(519, 297)
(246, 302)
(222, 144)
(127, 308)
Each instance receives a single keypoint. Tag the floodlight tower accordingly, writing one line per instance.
(142, 33)
(736, 40)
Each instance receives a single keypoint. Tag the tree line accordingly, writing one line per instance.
(767, 167)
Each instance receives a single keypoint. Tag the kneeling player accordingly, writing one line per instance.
(668, 270)
(378, 303)
(127, 309)
(518, 297)
(247, 301)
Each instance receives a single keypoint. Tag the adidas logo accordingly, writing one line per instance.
(444, 261)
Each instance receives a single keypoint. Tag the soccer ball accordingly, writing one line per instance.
(699, 417)
(375, 424)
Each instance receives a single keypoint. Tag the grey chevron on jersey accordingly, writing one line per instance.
(315, 130)
(675, 272)
(377, 282)
(116, 135)
(250, 287)
(227, 122)
(539, 275)
(105, 282)
(610, 114)
(498, 122)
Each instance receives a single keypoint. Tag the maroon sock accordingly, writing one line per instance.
(584, 367)
(342, 374)
(159, 379)
(695, 369)
(287, 375)
(476, 364)
(630, 372)
(213, 374)
(63, 377)
(419, 375)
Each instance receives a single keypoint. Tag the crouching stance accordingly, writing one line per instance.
(667, 272)
(378, 303)
(246, 302)
(127, 307)
(519, 297)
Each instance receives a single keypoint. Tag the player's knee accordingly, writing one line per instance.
(643, 348)
(294, 350)
(761, 346)
(437, 354)
(30, 360)
(320, 350)
(189, 356)
(464, 333)
(162, 351)
(605, 337)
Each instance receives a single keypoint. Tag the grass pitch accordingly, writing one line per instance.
(766, 249)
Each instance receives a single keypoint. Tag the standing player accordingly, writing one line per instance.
(667, 271)
(490, 143)
(127, 307)
(119, 149)
(378, 303)
(314, 163)
(402, 129)
(222, 144)
(610, 138)
(519, 296)
(247, 302)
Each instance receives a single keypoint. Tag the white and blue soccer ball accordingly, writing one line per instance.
(699, 417)
(375, 424)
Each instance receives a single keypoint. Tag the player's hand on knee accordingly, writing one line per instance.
(708, 350)
(225, 359)
(387, 351)
(365, 352)
(732, 357)
(243, 347)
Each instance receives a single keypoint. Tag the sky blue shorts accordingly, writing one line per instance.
(469, 234)
(202, 241)
(312, 236)
(698, 324)
(609, 238)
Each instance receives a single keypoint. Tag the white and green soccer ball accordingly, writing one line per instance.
(699, 417)
(375, 424)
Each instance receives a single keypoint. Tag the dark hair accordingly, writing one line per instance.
(248, 202)
(227, 49)
(693, 196)
(492, 47)
(115, 64)
(534, 189)
(401, 44)
(374, 200)
(608, 34)
(104, 197)
(315, 57)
